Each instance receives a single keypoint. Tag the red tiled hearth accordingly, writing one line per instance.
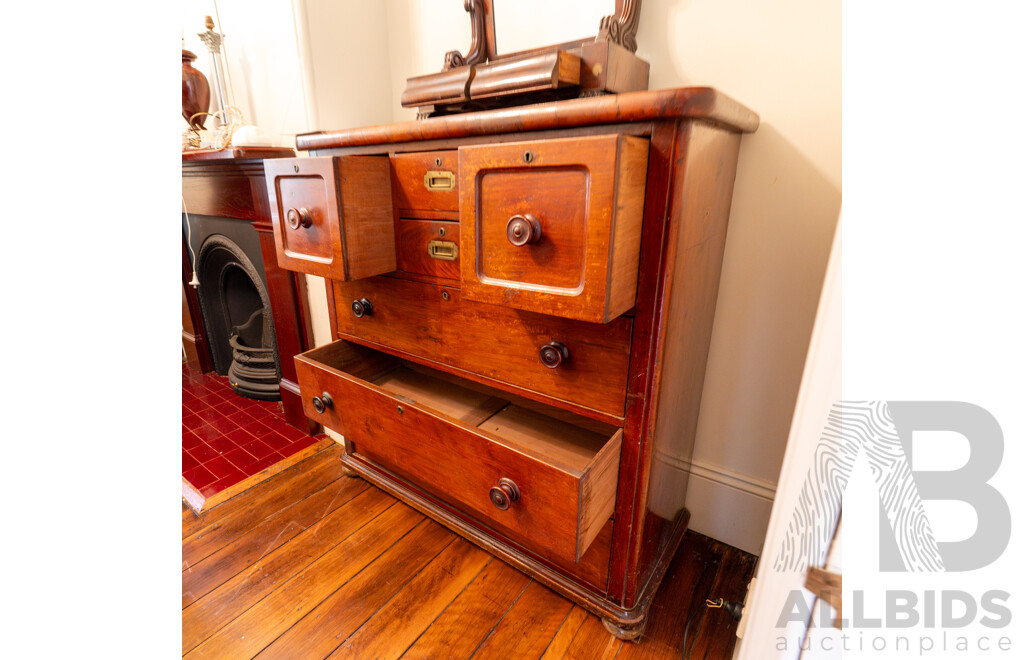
(226, 438)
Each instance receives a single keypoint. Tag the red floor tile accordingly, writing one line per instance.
(190, 440)
(192, 422)
(223, 424)
(226, 408)
(203, 452)
(263, 463)
(230, 479)
(187, 462)
(199, 477)
(220, 467)
(258, 429)
(240, 458)
(209, 414)
(226, 437)
(240, 437)
(276, 441)
(222, 444)
(207, 433)
(241, 417)
(259, 449)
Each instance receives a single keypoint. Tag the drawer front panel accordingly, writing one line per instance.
(505, 344)
(332, 217)
(405, 315)
(558, 509)
(556, 262)
(429, 247)
(426, 181)
(554, 226)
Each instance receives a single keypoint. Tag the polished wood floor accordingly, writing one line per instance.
(313, 564)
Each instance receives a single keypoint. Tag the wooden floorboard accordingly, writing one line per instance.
(312, 564)
(251, 498)
(464, 624)
(211, 538)
(200, 578)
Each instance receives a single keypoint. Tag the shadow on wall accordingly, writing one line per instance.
(783, 219)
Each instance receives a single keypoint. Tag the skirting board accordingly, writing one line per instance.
(729, 507)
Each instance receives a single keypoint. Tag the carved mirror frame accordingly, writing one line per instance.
(483, 78)
(619, 28)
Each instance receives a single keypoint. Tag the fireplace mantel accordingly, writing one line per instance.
(230, 184)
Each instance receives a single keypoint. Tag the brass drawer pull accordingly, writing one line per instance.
(552, 355)
(504, 494)
(438, 180)
(443, 250)
(523, 229)
(299, 218)
(322, 403)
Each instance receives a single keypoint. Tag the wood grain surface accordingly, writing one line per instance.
(587, 194)
(685, 102)
(493, 341)
(373, 575)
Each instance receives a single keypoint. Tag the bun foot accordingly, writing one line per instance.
(627, 632)
(349, 472)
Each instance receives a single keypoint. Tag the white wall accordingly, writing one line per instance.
(262, 61)
(782, 59)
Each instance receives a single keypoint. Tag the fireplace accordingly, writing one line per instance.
(235, 306)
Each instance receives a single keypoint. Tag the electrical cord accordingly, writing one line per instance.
(735, 610)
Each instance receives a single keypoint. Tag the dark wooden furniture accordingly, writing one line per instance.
(230, 184)
(541, 397)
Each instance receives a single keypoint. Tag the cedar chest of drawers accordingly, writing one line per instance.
(522, 303)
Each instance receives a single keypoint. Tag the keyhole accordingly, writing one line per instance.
(528, 157)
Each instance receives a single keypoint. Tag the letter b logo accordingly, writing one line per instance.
(967, 484)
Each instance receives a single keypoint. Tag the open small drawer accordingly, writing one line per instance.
(332, 216)
(553, 226)
(548, 483)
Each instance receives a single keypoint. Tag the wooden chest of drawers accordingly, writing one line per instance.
(523, 302)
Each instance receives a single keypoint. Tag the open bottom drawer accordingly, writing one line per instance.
(549, 483)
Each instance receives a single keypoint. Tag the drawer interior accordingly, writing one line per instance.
(427, 425)
(556, 441)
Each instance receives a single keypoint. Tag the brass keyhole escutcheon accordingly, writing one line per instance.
(528, 157)
(444, 295)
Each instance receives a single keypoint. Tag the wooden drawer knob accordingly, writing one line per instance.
(523, 229)
(361, 308)
(554, 354)
(504, 494)
(299, 218)
(322, 403)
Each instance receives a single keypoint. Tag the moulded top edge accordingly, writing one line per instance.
(685, 102)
